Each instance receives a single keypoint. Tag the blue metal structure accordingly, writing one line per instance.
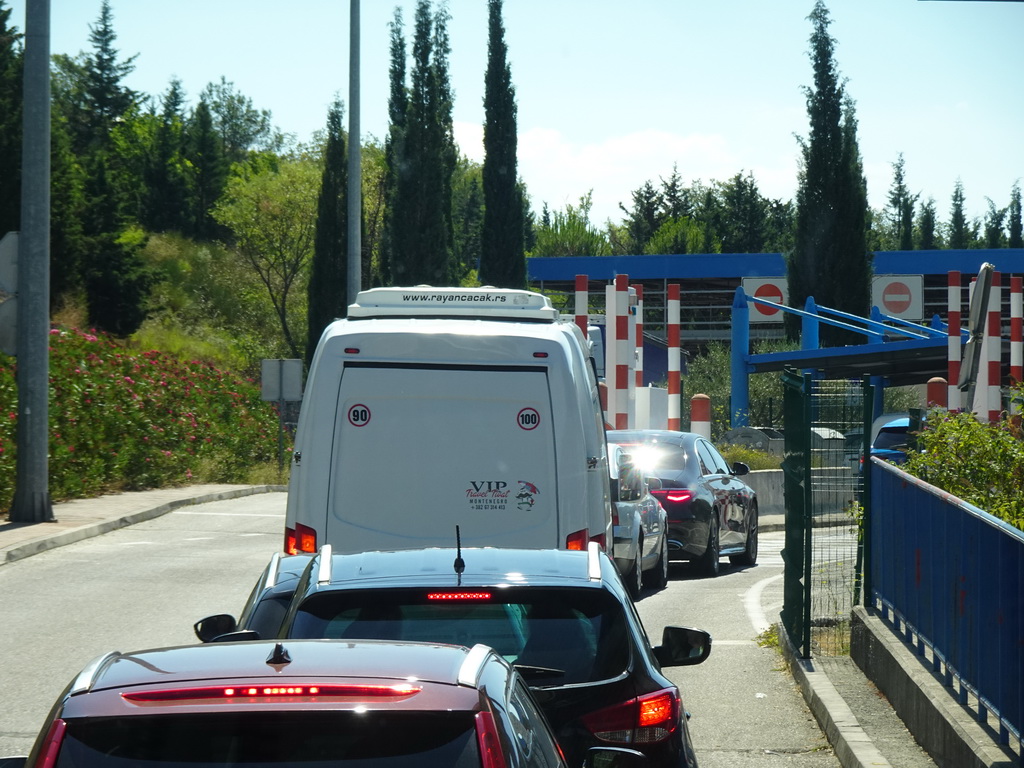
(909, 350)
(950, 578)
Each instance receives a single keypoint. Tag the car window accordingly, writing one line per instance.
(721, 465)
(885, 440)
(576, 635)
(707, 461)
(385, 739)
(651, 457)
(536, 743)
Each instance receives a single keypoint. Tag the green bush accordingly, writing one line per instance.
(121, 420)
(983, 464)
(751, 457)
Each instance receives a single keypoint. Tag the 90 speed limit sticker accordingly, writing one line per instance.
(528, 418)
(358, 415)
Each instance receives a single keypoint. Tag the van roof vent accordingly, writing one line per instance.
(480, 303)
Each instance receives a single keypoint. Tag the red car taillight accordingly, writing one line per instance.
(673, 495)
(577, 540)
(487, 739)
(644, 720)
(51, 746)
(300, 539)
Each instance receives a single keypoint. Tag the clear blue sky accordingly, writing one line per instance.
(612, 94)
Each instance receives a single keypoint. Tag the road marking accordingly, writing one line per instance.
(225, 514)
(752, 604)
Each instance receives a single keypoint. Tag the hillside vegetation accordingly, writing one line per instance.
(123, 419)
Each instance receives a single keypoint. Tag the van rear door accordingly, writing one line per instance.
(421, 448)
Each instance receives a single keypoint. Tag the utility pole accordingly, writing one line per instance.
(32, 495)
(355, 174)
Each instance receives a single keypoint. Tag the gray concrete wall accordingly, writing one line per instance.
(767, 484)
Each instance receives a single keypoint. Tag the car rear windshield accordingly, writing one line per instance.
(555, 636)
(251, 740)
(655, 457)
(889, 439)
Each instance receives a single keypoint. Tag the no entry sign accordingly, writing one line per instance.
(899, 295)
(771, 289)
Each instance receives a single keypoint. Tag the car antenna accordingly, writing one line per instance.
(460, 564)
(279, 656)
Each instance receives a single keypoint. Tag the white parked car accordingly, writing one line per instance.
(639, 524)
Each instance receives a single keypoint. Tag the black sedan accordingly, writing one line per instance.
(562, 618)
(711, 511)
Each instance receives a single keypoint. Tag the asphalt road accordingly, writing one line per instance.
(143, 586)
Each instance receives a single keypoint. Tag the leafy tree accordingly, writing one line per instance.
(468, 194)
(374, 183)
(242, 127)
(676, 236)
(10, 123)
(328, 278)
(502, 261)
(994, 218)
(421, 223)
(830, 260)
(958, 230)
(927, 230)
(271, 214)
(1014, 227)
(569, 233)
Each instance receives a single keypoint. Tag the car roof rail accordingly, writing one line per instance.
(272, 570)
(323, 574)
(594, 561)
(88, 676)
(473, 666)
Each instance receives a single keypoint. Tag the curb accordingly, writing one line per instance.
(852, 746)
(89, 530)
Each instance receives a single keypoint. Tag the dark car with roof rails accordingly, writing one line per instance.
(562, 618)
(302, 703)
(711, 511)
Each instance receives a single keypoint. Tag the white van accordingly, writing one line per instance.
(428, 409)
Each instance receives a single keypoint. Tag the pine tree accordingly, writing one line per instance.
(644, 219)
(106, 97)
(829, 260)
(1014, 226)
(927, 237)
(167, 187)
(745, 216)
(10, 123)
(994, 237)
(502, 261)
(205, 153)
(959, 232)
(328, 278)
(901, 209)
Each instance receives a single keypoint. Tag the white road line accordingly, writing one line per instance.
(752, 604)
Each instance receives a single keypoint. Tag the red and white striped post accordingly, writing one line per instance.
(936, 392)
(1016, 330)
(623, 350)
(953, 322)
(994, 342)
(675, 397)
(582, 304)
(639, 334)
(700, 415)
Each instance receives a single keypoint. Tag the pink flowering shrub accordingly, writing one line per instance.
(122, 420)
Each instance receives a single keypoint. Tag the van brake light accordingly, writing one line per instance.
(599, 539)
(577, 540)
(301, 539)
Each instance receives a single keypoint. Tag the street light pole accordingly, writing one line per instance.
(355, 174)
(32, 496)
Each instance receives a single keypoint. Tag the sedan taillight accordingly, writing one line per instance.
(673, 496)
(51, 746)
(644, 720)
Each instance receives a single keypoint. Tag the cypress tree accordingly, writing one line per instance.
(328, 278)
(394, 148)
(959, 233)
(1014, 225)
(11, 78)
(205, 152)
(829, 260)
(502, 260)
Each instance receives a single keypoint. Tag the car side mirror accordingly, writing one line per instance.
(615, 757)
(214, 626)
(654, 483)
(739, 468)
(683, 646)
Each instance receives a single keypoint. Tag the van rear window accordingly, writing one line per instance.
(555, 635)
(257, 739)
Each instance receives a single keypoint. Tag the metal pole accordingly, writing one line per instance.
(355, 174)
(32, 496)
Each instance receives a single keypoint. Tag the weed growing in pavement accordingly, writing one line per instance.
(121, 420)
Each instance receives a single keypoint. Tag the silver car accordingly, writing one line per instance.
(639, 547)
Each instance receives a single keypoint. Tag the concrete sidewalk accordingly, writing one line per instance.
(859, 722)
